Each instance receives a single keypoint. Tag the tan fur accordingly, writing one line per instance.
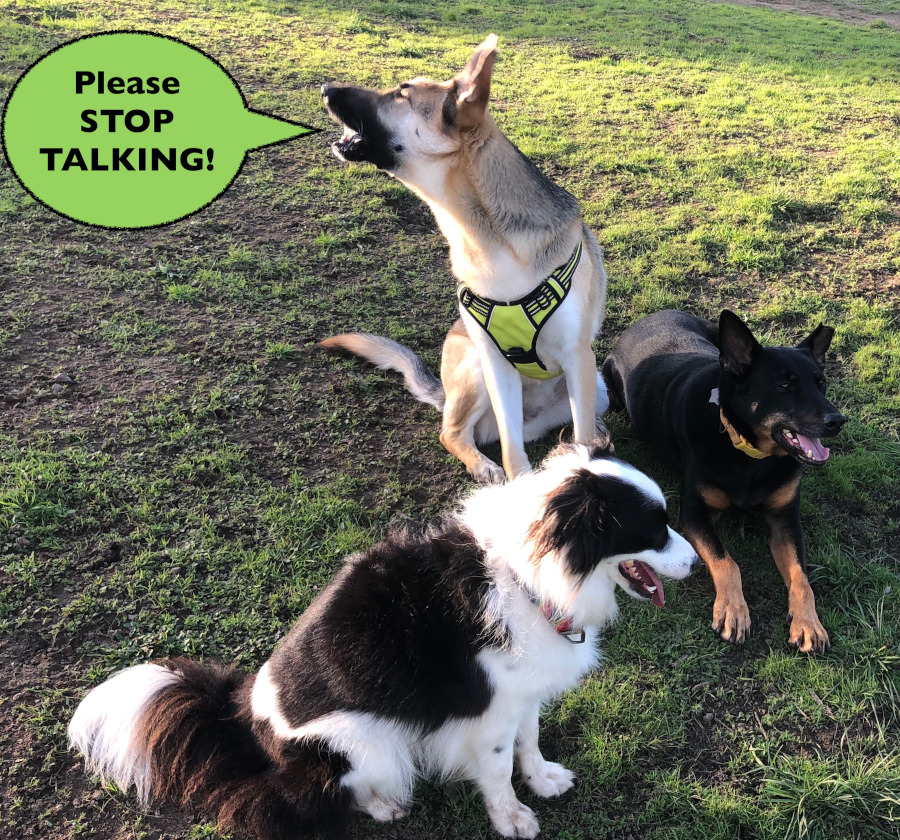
(715, 498)
(731, 616)
(766, 444)
(508, 228)
(807, 632)
(784, 495)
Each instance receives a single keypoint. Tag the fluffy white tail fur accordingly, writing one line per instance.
(102, 726)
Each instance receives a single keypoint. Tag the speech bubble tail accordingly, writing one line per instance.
(259, 129)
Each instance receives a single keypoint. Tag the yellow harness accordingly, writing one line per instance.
(514, 327)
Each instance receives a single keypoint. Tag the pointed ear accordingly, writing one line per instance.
(574, 523)
(473, 85)
(818, 342)
(737, 346)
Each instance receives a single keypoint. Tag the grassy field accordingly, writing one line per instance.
(202, 468)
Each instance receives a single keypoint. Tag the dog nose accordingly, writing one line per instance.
(833, 422)
(695, 563)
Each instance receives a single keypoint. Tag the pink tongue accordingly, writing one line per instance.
(649, 577)
(814, 445)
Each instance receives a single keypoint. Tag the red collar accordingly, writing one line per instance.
(561, 621)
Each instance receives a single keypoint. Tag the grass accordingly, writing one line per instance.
(206, 468)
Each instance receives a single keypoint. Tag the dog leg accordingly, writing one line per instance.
(504, 385)
(462, 411)
(545, 778)
(731, 617)
(786, 544)
(509, 817)
(383, 772)
(491, 767)
(581, 382)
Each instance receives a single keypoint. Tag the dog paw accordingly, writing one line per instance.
(487, 472)
(808, 635)
(514, 819)
(551, 779)
(383, 809)
(731, 620)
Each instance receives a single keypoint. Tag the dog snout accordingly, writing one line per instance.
(833, 422)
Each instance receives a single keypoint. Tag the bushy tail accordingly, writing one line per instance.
(182, 731)
(389, 355)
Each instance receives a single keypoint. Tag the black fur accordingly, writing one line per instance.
(203, 750)
(663, 370)
(591, 517)
(357, 108)
(407, 612)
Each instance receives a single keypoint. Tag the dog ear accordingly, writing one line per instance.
(473, 85)
(818, 342)
(574, 524)
(737, 346)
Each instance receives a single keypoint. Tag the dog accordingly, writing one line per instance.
(739, 422)
(532, 284)
(429, 654)
(468, 419)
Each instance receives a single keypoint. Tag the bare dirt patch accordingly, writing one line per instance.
(828, 10)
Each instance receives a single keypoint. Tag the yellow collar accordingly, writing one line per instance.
(738, 441)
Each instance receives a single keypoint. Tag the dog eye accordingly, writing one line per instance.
(784, 386)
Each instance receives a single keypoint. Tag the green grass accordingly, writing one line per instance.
(207, 467)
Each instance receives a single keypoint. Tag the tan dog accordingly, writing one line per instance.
(513, 234)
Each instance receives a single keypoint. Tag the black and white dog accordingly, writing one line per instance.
(430, 654)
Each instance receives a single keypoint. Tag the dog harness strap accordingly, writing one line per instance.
(514, 327)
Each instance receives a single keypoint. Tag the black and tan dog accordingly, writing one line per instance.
(532, 285)
(738, 421)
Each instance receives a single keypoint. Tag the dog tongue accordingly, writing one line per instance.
(649, 577)
(814, 445)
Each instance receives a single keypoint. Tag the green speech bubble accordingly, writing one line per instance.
(131, 130)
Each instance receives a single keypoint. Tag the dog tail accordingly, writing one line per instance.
(389, 355)
(183, 731)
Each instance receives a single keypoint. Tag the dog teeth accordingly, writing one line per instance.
(809, 453)
(650, 589)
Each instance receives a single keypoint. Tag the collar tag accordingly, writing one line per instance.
(576, 637)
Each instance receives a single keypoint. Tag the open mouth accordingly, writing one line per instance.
(805, 449)
(643, 581)
(349, 146)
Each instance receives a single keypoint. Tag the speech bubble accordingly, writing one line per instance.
(131, 130)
